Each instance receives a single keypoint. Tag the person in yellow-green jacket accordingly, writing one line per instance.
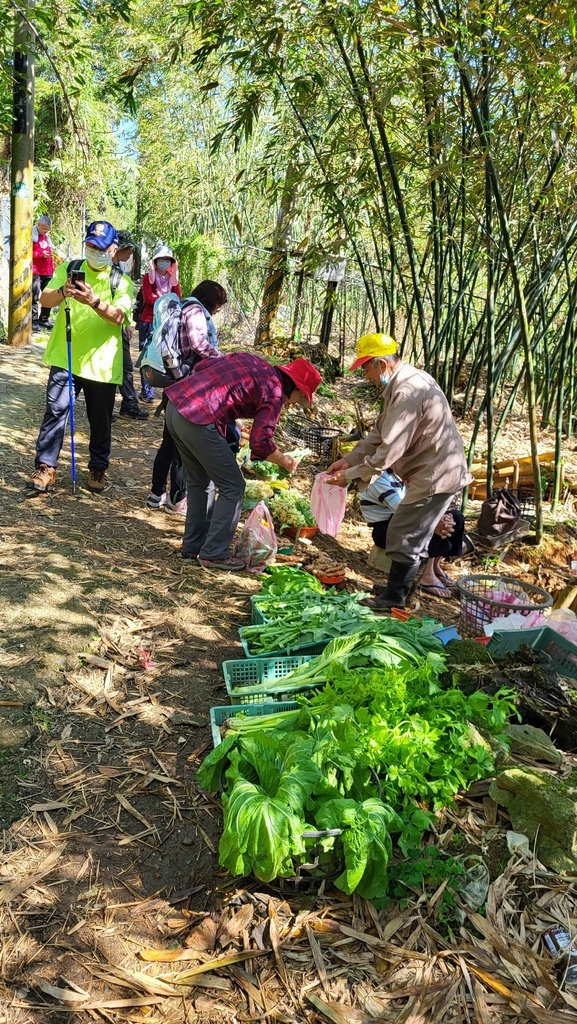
(100, 305)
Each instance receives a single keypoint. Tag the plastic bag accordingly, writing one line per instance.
(257, 544)
(328, 504)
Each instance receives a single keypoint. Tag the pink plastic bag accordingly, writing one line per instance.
(328, 504)
(257, 545)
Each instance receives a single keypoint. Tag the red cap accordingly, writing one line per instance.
(304, 375)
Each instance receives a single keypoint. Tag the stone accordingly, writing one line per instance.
(527, 741)
(544, 808)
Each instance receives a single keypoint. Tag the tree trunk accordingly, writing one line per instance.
(277, 264)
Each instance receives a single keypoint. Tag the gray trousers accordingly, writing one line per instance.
(412, 525)
(207, 457)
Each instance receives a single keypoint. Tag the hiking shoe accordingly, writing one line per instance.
(42, 479)
(229, 564)
(97, 482)
(177, 508)
(46, 325)
(134, 414)
(149, 399)
(156, 500)
(189, 555)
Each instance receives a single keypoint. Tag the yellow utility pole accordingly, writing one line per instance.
(21, 188)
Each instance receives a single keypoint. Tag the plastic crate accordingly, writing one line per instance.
(446, 634)
(249, 672)
(221, 714)
(562, 652)
(484, 598)
(321, 440)
(311, 649)
(257, 616)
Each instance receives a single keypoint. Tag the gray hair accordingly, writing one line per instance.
(45, 219)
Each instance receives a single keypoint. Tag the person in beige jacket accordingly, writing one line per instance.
(417, 437)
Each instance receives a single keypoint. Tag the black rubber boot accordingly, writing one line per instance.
(402, 576)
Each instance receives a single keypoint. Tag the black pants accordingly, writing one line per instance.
(129, 397)
(39, 282)
(439, 547)
(168, 459)
(99, 399)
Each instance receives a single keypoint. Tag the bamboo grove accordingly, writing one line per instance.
(430, 144)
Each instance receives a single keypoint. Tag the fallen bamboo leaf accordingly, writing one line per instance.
(337, 1013)
(132, 810)
(10, 892)
(93, 659)
(233, 927)
(52, 805)
(168, 956)
(203, 936)
(66, 995)
(221, 961)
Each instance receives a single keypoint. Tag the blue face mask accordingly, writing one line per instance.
(384, 379)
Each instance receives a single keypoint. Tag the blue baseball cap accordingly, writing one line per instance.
(101, 234)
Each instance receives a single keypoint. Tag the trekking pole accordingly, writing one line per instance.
(70, 391)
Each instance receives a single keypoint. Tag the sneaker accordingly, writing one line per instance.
(46, 325)
(177, 508)
(229, 564)
(42, 479)
(156, 500)
(134, 414)
(97, 482)
(149, 399)
(189, 555)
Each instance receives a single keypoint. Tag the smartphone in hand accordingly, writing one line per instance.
(77, 276)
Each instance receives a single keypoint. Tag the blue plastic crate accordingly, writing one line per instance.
(446, 634)
(219, 715)
(312, 649)
(248, 672)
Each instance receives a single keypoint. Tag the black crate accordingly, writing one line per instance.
(321, 440)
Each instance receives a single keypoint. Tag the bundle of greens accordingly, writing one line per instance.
(373, 753)
(291, 509)
(307, 617)
(281, 580)
(386, 642)
(269, 470)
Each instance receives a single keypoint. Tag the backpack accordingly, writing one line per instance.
(500, 514)
(138, 307)
(115, 274)
(165, 357)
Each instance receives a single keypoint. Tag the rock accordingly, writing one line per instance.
(527, 741)
(544, 808)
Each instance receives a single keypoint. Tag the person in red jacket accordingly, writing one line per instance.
(42, 271)
(161, 279)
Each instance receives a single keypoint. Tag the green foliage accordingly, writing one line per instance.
(199, 258)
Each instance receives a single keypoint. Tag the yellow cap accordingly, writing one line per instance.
(373, 346)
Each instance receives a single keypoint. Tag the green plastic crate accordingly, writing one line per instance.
(561, 650)
(257, 617)
(221, 714)
(312, 649)
(249, 672)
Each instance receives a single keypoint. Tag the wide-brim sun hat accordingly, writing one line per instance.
(162, 252)
(373, 346)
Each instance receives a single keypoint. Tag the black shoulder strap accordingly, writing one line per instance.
(74, 266)
(115, 278)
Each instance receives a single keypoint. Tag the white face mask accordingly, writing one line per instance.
(97, 258)
(162, 265)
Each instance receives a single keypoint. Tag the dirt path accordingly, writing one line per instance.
(98, 754)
